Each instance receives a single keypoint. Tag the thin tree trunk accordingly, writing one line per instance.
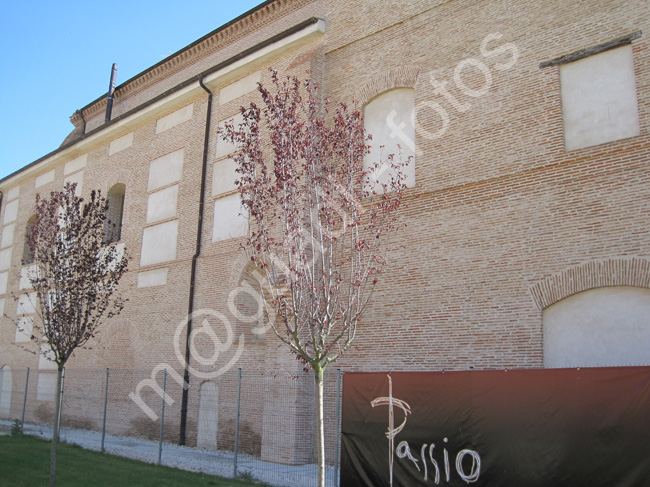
(320, 430)
(55, 428)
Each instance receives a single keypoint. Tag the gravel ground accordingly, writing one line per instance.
(193, 459)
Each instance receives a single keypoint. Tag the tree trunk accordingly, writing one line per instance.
(55, 427)
(320, 430)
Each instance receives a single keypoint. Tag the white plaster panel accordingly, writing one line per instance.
(599, 100)
(3, 282)
(43, 179)
(2, 306)
(13, 193)
(156, 277)
(601, 327)
(24, 329)
(117, 257)
(26, 304)
(46, 386)
(159, 243)
(25, 274)
(5, 259)
(11, 212)
(389, 118)
(120, 144)
(75, 164)
(229, 219)
(224, 174)
(166, 170)
(7, 235)
(162, 204)
(239, 88)
(78, 178)
(206, 436)
(223, 147)
(174, 118)
(46, 362)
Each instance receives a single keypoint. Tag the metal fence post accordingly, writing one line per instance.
(105, 404)
(234, 474)
(58, 419)
(338, 428)
(22, 420)
(162, 417)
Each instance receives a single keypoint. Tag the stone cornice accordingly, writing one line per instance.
(225, 35)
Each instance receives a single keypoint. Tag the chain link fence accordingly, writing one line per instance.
(257, 425)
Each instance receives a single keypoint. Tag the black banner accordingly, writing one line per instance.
(518, 428)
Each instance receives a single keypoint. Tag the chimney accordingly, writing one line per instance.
(111, 90)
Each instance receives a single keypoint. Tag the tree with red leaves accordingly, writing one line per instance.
(319, 219)
(74, 278)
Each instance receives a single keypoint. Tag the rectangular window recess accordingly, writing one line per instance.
(590, 51)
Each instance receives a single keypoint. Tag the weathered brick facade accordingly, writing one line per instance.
(502, 222)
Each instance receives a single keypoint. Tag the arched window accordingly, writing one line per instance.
(28, 255)
(389, 119)
(249, 309)
(113, 223)
(208, 426)
(5, 391)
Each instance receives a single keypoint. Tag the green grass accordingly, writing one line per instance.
(25, 461)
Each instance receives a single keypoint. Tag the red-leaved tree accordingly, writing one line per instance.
(74, 277)
(320, 217)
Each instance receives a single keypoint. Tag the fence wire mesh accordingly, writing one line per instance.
(252, 424)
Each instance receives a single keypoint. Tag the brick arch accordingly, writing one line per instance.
(401, 77)
(238, 269)
(598, 273)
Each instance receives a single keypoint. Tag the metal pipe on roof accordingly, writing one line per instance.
(111, 90)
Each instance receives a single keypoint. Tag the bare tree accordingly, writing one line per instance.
(74, 278)
(319, 217)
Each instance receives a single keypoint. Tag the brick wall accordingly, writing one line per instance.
(499, 209)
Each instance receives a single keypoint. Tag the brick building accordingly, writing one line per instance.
(527, 244)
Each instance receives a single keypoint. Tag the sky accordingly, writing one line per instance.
(57, 57)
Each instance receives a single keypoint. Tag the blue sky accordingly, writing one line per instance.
(57, 57)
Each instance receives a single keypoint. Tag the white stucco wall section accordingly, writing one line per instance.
(607, 326)
(162, 204)
(5, 259)
(599, 100)
(120, 144)
(13, 193)
(159, 243)
(389, 119)
(165, 170)
(229, 219)
(11, 212)
(25, 274)
(43, 179)
(156, 277)
(78, 178)
(24, 329)
(46, 386)
(75, 164)
(239, 88)
(26, 304)
(3, 282)
(224, 175)
(174, 118)
(223, 147)
(7, 235)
